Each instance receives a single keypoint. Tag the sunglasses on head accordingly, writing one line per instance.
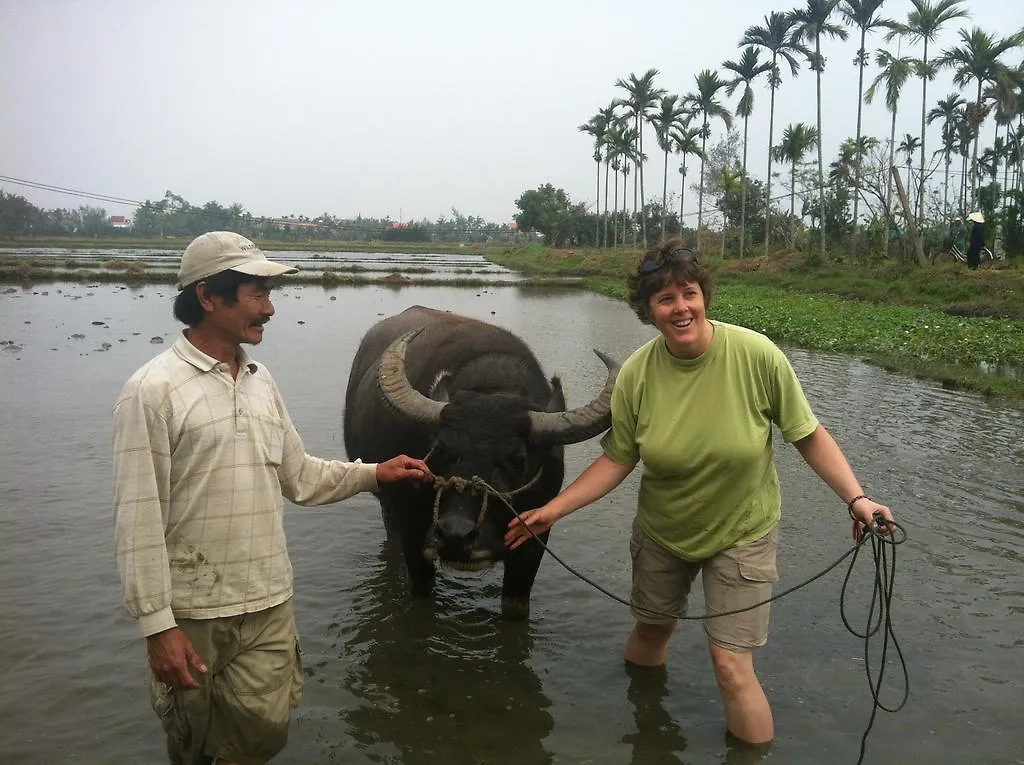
(650, 265)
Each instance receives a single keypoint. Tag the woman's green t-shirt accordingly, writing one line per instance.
(702, 428)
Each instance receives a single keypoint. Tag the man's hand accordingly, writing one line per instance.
(172, 658)
(403, 468)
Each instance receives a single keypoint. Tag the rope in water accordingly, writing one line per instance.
(883, 543)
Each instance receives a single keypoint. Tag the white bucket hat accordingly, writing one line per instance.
(217, 251)
(977, 217)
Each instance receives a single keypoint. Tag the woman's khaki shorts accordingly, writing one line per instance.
(242, 708)
(733, 579)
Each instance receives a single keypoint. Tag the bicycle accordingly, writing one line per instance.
(954, 254)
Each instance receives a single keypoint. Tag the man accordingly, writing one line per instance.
(204, 449)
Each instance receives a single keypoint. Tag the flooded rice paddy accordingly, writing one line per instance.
(390, 679)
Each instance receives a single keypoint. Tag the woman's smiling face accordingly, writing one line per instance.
(680, 314)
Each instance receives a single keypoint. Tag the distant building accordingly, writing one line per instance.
(120, 221)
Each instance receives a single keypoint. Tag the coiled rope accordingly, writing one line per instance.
(879, 617)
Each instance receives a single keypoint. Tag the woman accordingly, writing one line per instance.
(696, 405)
(977, 240)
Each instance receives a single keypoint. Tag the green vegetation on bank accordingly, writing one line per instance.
(939, 322)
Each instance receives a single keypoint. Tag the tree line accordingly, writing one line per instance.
(175, 217)
(855, 205)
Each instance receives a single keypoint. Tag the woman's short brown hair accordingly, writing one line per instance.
(666, 263)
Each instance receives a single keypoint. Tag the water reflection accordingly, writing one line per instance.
(656, 738)
(440, 679)
(395, 677)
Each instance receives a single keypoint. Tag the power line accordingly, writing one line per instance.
(71, 192)
(246, 217)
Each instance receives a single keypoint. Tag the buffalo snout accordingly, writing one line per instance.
(453, 537)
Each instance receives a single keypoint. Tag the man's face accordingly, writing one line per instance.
(242, 322)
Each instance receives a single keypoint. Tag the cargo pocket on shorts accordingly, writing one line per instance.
(298, 678)
(172, 718)
(635, 542)
(758, 572)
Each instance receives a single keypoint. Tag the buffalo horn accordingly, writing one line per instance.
(578, 424)
(395, 386)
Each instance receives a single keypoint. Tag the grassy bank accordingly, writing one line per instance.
(939, 322)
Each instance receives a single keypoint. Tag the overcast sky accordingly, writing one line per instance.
(381, 108)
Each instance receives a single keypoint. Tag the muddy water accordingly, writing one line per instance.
(393, 680)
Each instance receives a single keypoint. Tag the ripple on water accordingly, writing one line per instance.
(398, 679)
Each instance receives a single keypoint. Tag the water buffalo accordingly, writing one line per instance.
(472, 399)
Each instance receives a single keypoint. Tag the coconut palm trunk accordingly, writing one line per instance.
(700, 187)
(768, 181)
(615, 213)
(821, 165)
(682, 194)
(857, 156)
(746, 70)
(888, 179)
(743, 187)
(664, 198)
(974, 157)
(812, 22)
(945, 186)
(606, 172)
(924, 106)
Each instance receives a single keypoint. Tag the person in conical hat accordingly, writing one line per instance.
(977, 240)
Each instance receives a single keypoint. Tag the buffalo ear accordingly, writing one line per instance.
(557, 401)
(441, 387)
(582, 422)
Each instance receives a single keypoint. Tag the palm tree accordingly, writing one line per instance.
(908, 146)
(671, 115)
(861, 14)
(1007, 97)
(813, 22)
(642, 98)
(597, 126)
(966, 129)
(977, 59)
(923, 24)
(705, 102)
(625, 151)
(778, 35)
(611, 118)
(615, 165)
(797, 140)
(685, 141)
(615, 146)
(746, 69)
(895, 72)
(947, 110)
(988, 162)
(1016, 141)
